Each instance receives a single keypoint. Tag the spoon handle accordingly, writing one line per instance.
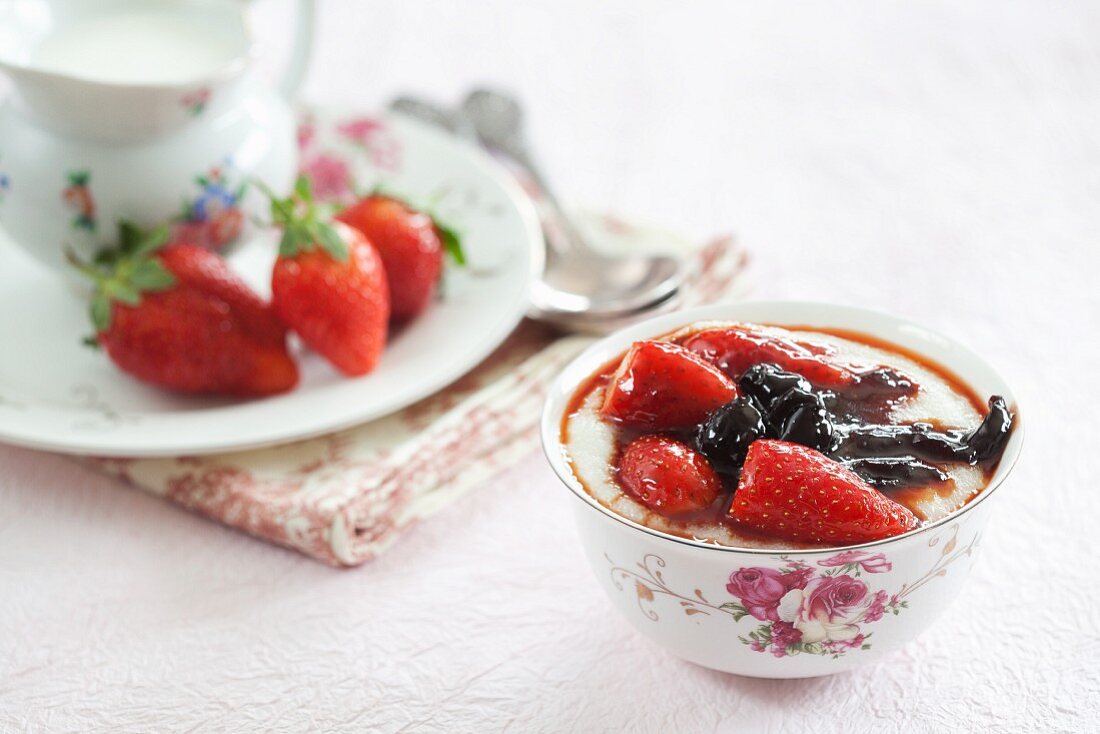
(561, 233)
(497, 118)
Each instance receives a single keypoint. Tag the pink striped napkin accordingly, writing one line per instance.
(346, 497)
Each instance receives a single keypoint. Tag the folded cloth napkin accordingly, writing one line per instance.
(345, 497)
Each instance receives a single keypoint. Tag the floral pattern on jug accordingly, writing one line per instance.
(5, 180)
(214, 217)
(78, 197)
(823, 608)
(195, 102)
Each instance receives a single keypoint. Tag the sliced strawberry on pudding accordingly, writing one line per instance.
(668, 476)
(734, 349)
(791, 491)
(660, 385)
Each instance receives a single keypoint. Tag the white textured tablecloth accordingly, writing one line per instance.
(937, 159)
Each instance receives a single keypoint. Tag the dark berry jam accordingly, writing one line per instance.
(844, 410)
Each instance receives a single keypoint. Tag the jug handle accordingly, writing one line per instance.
(294, 72)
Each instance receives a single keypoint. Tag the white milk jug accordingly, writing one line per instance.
(147, 110)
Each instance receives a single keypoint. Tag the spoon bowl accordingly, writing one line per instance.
(601, 286)
(582, 289)
(579, 279)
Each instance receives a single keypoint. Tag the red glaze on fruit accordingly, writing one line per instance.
(667, 476)
(660, 385)
(409, 244)
(791, 491)
(209, 333)
(735, 349)
(339, 309)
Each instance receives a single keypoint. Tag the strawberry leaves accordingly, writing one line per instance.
(133, 242)
(150, 275)
(304, 226)
(331, 241)
(124, 272)
(100, 311)
(452, 243)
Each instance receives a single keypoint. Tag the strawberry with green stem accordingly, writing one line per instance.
(329, 284)
(179, 318)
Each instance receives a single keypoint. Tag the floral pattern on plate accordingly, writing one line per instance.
(325, 158)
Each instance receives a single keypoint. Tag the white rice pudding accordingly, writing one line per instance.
(591, 445)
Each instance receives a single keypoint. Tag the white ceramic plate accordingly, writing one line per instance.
(58, 395)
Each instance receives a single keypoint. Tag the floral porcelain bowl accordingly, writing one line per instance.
(769, 613)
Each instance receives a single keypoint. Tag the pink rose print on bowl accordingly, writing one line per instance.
(761, 589)
(850, 561)
(824, 608)
(820, 612)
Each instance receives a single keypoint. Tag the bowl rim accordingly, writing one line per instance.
(550, 422)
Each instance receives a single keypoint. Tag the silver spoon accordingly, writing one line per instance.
(580, 282)
(568, 311)
(433, 114)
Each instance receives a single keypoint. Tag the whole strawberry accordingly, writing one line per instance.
(411, 244)
(329, 285)
(179, 318)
